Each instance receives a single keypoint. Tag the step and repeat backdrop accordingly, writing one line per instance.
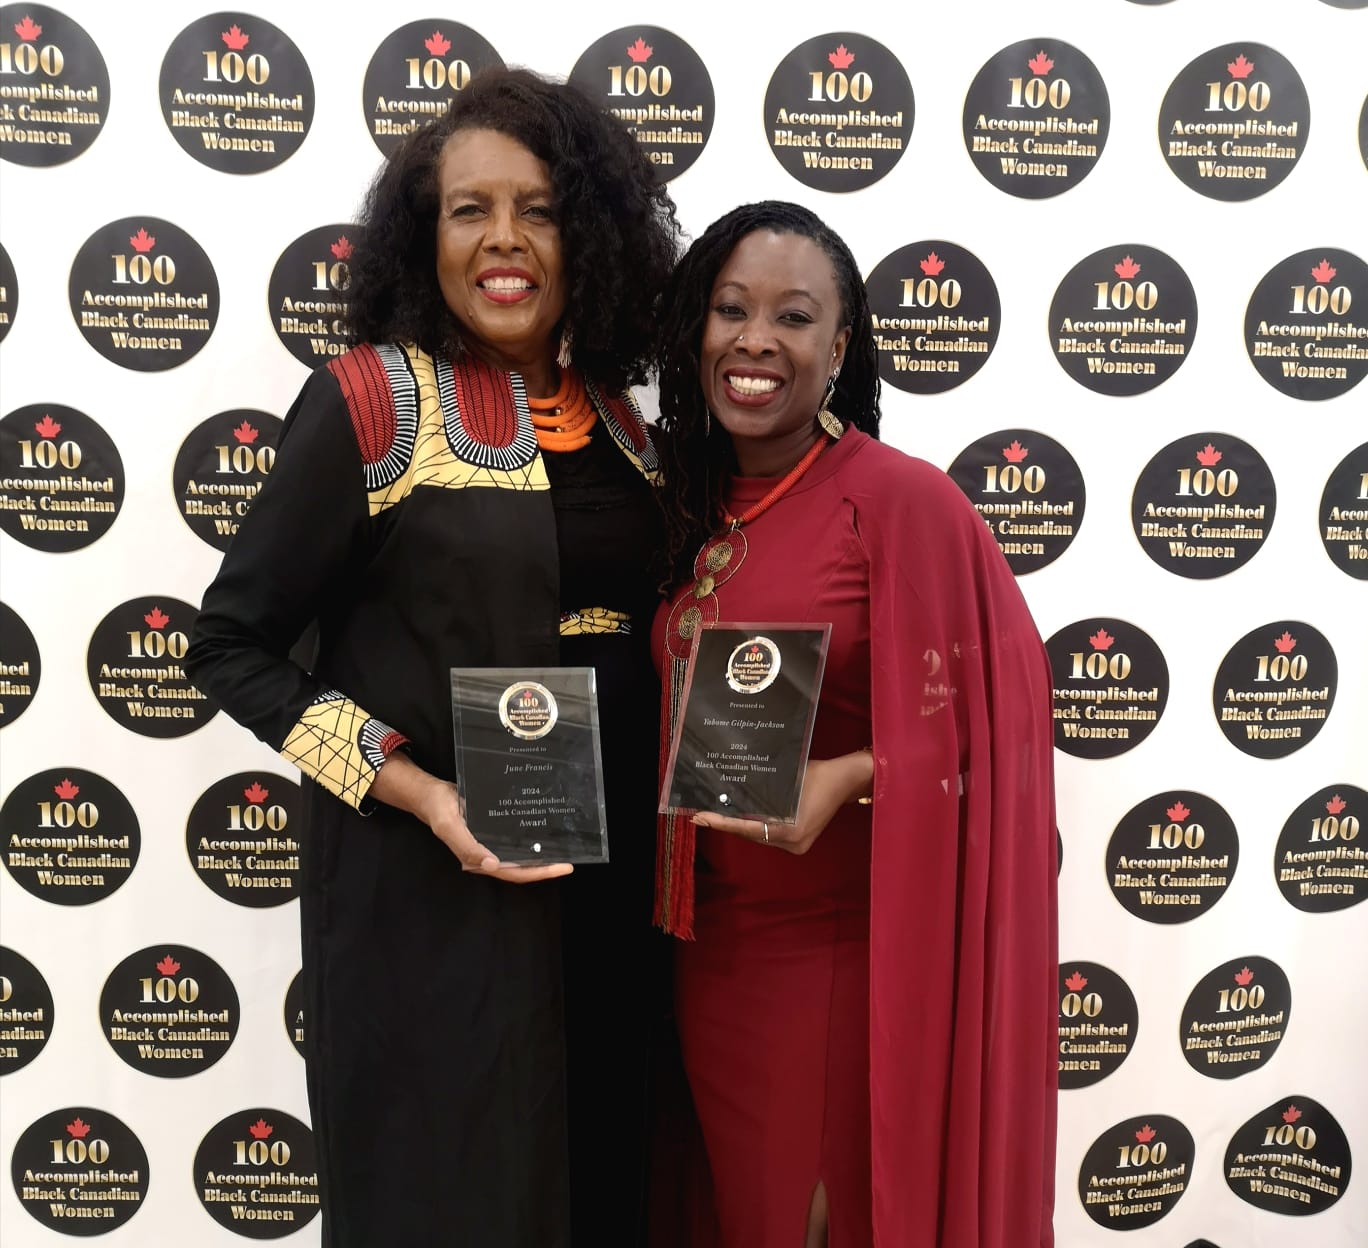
(1118, 256)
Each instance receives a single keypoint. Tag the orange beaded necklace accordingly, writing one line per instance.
(563, 421)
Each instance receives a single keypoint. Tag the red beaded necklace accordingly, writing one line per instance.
(722, 555)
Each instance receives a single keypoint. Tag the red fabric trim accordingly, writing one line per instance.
(628, 421)
(391, 741)
(484, 395)
(361, 375)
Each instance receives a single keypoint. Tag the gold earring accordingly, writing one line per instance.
(563, 352)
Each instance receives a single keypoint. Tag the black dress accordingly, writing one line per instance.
(410, 513)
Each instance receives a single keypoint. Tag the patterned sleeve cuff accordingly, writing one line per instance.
(340, 746)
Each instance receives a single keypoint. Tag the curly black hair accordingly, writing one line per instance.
(617, 224)
(696, 451)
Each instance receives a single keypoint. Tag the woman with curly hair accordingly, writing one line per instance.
(867, 1007)
(468, 486)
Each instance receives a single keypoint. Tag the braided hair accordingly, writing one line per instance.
(696, 451)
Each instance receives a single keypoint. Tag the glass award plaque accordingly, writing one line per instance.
(745, 720)
(528, 764)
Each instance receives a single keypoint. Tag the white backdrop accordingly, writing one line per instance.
(244, 223)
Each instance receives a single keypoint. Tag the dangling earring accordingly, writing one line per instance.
(563, 352)
(825, 416)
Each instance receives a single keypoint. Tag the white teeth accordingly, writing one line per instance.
(506, 283)
(752, 385)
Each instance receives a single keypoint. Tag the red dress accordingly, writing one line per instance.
(773, 994)
(879, 1015)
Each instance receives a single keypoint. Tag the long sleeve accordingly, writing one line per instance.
(305, 540)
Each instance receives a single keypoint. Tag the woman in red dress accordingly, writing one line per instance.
(865, 996)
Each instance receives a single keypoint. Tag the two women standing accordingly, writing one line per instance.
(866, 1009)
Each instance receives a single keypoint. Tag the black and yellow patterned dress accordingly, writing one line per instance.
(412, 516)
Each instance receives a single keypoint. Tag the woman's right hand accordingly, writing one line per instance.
(402, 783)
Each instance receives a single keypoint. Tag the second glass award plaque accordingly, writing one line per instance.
(528, 764)
(745, 720)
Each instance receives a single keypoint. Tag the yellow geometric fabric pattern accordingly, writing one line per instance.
(594, 620)
(340, 746)
(433, 463)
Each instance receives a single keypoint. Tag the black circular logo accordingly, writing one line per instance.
(9, 293)
(936, 315)
(70, 837)
(240, 838)
(1235, 1018)
(20, 666)
(236, 93)
(414, 74)
(169, 1010)
(1097, 1023)
(134, 665)
(305, 293)
(1029, 491)
(61, 478)
(258, 1174)
(838, 111)
(221, 468)
(1347, 4)
(1344, 514)
(56, 93)
(25, 1011)
(1111, 685)
(1123, 320)
(1275, 689)
(1320, 862)
(144, 294)
(1036, 118)
(656, 85)
(1203, 505)
(1234, 123)
(1172, 856)
(1290, 1158)
(1136, 1171)
(1299, 331)
(294, 1012)
(79, 1171)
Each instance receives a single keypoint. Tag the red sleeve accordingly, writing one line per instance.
(963, 929)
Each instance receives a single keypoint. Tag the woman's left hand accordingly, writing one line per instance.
(827, 786)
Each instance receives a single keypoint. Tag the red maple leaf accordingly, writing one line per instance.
(842, 58)
(1145, 1134)
(1076, 982)
(1040, 64)
(28, 30)
(168, 965)
(256, 794)
(235, 39)
(1102, 640)
(437, 43)
(932, 265)
(1178, 812)
(1286, 643)
(47, 428)
(1240, 68)
(260, 1129)
(246, 434)
(77, 1129)
(142, 240)
(66, 790)
(1323, 272)
(157, 618)
(1209, 456)
(1336, 804)
(342, 249)
(1015, 453)
(1244, 977)
(1127, 268)
(1291, 1114)
(640, 50)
